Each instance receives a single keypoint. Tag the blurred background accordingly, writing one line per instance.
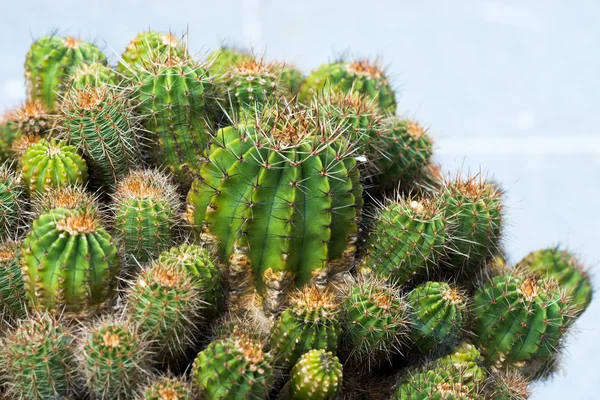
(509, 87)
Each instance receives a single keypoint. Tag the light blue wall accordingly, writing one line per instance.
(509, 87)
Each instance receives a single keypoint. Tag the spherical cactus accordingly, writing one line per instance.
(31, 119)
(167, 389)
(69, 262)
(438, 317)
(474, 207)
(361, 76)
(113, 359)
(566, 270)
(166, 305)
(408, 239)
(12, 292)
(99, 122)
(8, 132)
(177, 102)
(280, 204)
(290, 78)
(69, 197)
(310, 322)
(92, 75)
(148, 48)
(226, 58)
(146, 207)
(316, 376)
(12, 203)
(52, 164)
(435, 384)
(464, 361)
(508, 386)
(21, 143)
(375, 322)
(198, 263)
(49, 63)
(38, 360)
(233, 368)
(518, 319)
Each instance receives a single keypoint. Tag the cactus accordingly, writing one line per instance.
(177, 102)
(165, 304)
(408, 239)
(38, 361)
(220, 60)
(99, 122)
(508, 386)
(12, 292)
(167, 389)
(567, 270)
(519, 319)
(233, 368)
(146, 207)
(92, 75)
(310, 322)
(266, 198)
(52, 164)
(290, 78)
(316, 376)
(361, 76)
(69, 197)
(31, 119)
(198, 262)
(113, 359)
(375, 322)
(465, 361)
(7, 135)
(475, 208)
(69, 262)
(438, 317)
(50, 62)
(148, 48)
(436, 384)
(20, 145)
(11, 202)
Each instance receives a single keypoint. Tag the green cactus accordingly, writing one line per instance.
(290, 78)
(361, 76)
(198, 262)
(12, 204)
(438, 317)
(30, 119)
(69, 197)
(316, 376)
(165, 304)
(408, 239)
(233, 368)
(465, 361)
(310, 322)
(375, 320)
(8, 132)
(279, 204)
(20, 145)
(69, 262)
(148, 48)
(226, 58)
(566, 270)
(508, 386)
(435, 384)
(518, 319)
(50, 62)
(114, 360)
(12, 292)
(51, 164)
(474, 206)
(177, 102)
(38, 360)
(146, 209)
(99, 122)
(165, 388)
(92, 75)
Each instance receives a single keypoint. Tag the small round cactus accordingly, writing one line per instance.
(38, 360)
(113, 359)
(310, 322)
(507, 386)
(316, 376)
(148, 48)
(12, 292)
(226, 58)
(438, 384)
(233, 368)
(69, 262)
(69, 197)
(438, 317)
(464, 361)
(165, 388)
(92, 74)
(146, 210)
(31, 119)
(49, 63)
(51, 164)
(12, 204)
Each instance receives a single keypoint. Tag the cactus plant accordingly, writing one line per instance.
(233, 368)
(51, 164)
(92, 74)
(70, 263)
(69, 197)
(438, 317)
(148, 48)
(49, 63)
(11, 202)
(435, 384)
(508, 386)
(38, 360)
(310, 322)
(12, 292)
(165, 388)
(225, 58)
(146, 208)
(31, 119)
(568, 272)
(316, 376)
(465, 361)
(113, 359)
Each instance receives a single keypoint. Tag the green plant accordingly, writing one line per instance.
(12, 292)
(12, 204)
(148, 48)
(165, 388)
(316, 376)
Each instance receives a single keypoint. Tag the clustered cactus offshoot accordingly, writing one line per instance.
(321, 254)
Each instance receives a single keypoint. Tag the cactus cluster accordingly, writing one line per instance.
(320, 255)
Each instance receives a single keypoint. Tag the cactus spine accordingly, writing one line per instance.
(316, 376)
(11, 202)
(12, 292)
(168, 389)
(31, 119)
(148, 48)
